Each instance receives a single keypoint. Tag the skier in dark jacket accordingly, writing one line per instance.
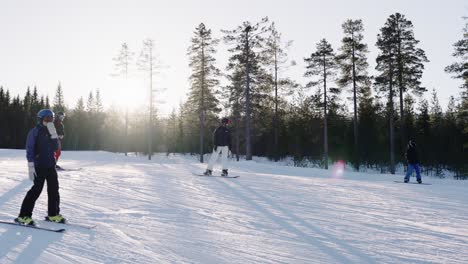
(58, 122)
(42, 142)
(413, 161)
(222, 144)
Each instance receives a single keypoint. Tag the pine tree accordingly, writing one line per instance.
(234, 92)
(78, 126)
(385, 81)
(204, 79)
(321, 65)
(4, 107)
(180, 131)
(35, 107)
(276, 59)
(98, 120)
(247, 41)
(98, 107)
(353, 65)
(409, 60)
(368, 124)
(460, 71)
(437, 130)
(59, 101)
(90, 105)
(123, 62)
(47, 102)
(460, 68)
(410, 116)
(28, 117)
(171, 133)
(149, 64)
(424, 135)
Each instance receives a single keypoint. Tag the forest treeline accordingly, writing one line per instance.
(338, 111)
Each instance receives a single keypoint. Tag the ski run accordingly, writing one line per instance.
(158, 212)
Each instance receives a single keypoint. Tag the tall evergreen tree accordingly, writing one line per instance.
(424, 135)
(149, 64)
(35, 106)
(460, 71)
(460, 68)
(385, 82)
(368, 116)
(409, 60)
(123, 61)
(77, 137)
(353, 65)
(437, 130)
(410, 116)
(59, 101)
(234, 92)
(321, 65)
(204, 79)
(98, 107)
(247, 41)
(276, 59)
(90, 104)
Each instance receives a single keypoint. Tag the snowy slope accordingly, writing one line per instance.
(158, 212)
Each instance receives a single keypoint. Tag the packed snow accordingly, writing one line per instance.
(159, 212)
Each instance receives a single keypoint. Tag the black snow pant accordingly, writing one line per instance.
(43, 174)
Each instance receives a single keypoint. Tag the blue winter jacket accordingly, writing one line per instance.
(40, 147)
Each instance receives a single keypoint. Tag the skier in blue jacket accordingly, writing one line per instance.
(41, 144)
(413, 161)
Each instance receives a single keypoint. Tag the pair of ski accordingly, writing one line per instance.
(56, 230)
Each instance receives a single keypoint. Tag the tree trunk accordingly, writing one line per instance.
(275, 121)
(402, 88)
(150, 126)
(392, 128)
(355, 121)
(248, 147)
(126, 132)
(237, 136)
(202, 108)
(325, 116)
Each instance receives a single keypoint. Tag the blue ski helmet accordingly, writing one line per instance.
(44, 113)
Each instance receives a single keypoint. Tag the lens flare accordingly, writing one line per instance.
(338, 169)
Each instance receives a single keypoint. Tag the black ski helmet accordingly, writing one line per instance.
(225, 120)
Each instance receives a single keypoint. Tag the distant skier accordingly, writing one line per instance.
(42, 142)
(222, 144)
(413, 161)
(61, 134)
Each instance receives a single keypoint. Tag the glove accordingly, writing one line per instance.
(32, 171)
(52, 130)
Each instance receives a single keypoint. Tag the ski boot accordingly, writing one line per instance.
(208, 173)
(56, 219)
(224, 173)
(406, 181)
(24, 220)
(419, 181)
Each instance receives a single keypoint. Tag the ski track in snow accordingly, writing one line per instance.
(158, 212)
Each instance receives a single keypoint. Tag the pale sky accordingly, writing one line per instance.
(44, 42)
